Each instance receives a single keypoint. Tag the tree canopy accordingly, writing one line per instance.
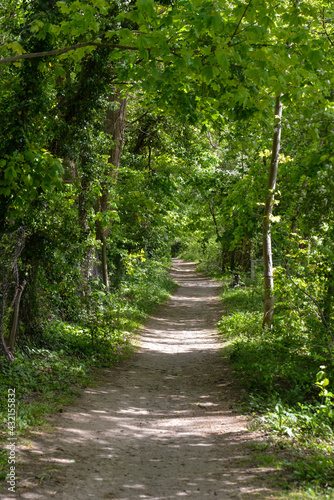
(128, 125)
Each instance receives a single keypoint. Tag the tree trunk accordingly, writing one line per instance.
(8, 353)
(232, 260)
(15, 322)
(104, 263)
(219, 236)
(243, 254)
(222, 253)
(114, 125)
(268, 210)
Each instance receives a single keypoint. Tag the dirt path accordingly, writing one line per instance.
(162, 426)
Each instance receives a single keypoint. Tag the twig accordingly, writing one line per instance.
(241, 18)
(140, 117)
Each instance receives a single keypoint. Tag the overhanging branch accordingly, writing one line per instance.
(64, 50)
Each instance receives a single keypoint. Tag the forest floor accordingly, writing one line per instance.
(162, 425)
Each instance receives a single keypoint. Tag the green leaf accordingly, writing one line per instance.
(102, 6)
(206, 51)
(216, 23)
(143, 43)
(27, 179)
(59, 71)
(315, 57)
(222, 59)
(36, 25)
(146, 6)
(16, 47)
(63, 7)
(207, 73)
(10, 173)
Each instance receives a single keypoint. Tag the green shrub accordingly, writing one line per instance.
(288, 395)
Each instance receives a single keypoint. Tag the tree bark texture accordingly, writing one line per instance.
(268, 210)
(114, 126)
(15, 322)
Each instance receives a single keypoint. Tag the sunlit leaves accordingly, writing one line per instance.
(23, 173)
(16, 47)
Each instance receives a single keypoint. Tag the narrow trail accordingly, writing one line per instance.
(162, 425)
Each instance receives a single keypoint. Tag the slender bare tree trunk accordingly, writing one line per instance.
(268, 210)
(219, 239)
(8, 353)
(15, 322)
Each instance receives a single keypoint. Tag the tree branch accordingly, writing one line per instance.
(214, 219)
(57, 52)
(326, 32)
(241, 18)
(141, 116)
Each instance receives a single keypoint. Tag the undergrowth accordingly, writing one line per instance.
(287, 372)
(49, 369)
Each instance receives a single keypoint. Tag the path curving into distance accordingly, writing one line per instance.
(162, 425)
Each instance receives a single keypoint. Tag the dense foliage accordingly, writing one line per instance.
(136, 131)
